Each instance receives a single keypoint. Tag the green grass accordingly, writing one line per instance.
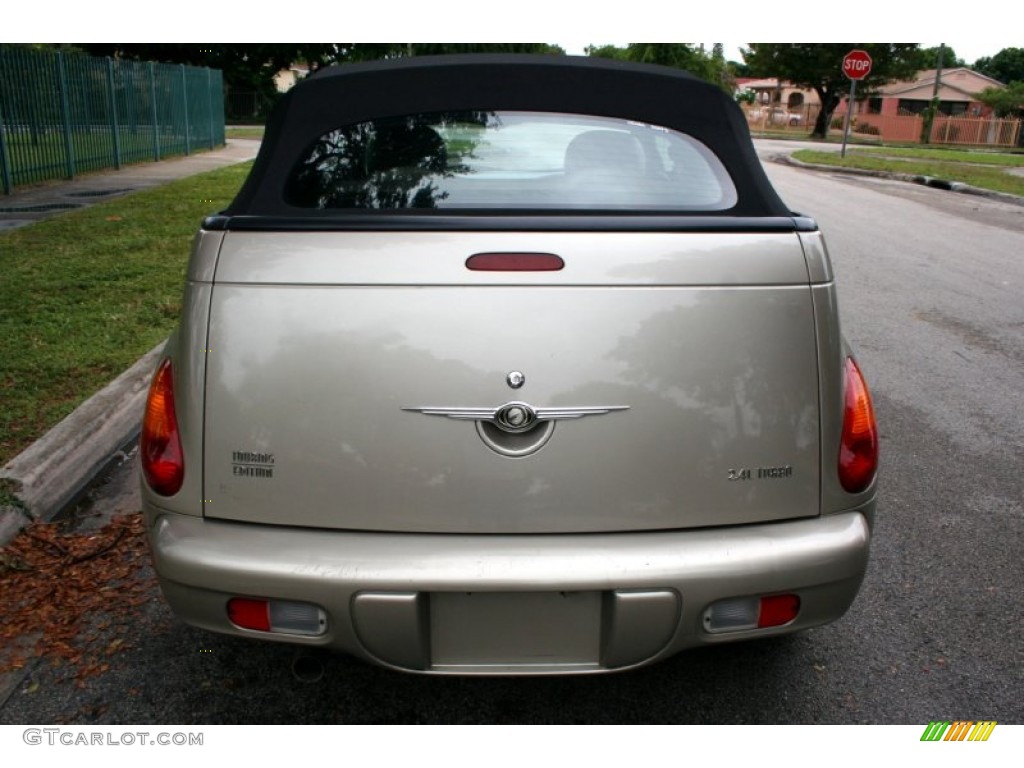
(85, 294)
(950, 155)
(986, 177)
(243, 132)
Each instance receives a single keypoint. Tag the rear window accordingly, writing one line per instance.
(509, 160)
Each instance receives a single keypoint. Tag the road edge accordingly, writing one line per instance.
(927, 181)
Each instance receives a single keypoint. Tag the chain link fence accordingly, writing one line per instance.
(64, 114)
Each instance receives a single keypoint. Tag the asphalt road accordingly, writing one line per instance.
(930, 292)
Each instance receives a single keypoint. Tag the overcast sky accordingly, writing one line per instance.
(972, 35)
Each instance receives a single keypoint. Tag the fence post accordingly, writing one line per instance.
(156, 116)
(65, 108)
(115, 129)
(184, 99)
(209, 101)
(5, 160)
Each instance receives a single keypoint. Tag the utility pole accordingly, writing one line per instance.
(933, 106)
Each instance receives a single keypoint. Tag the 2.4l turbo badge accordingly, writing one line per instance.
(761, 473)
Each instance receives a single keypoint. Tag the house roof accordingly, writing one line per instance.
(956, 84)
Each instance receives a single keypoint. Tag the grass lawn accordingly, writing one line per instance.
(979, 175)
(87, 293)
(980, 157)
(243, 132)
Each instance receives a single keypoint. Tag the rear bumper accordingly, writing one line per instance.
(510, 604)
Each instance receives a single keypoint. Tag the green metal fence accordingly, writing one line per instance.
(64, 114)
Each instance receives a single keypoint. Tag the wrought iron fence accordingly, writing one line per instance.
(63, 114)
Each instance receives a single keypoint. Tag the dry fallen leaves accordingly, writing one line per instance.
(66, 589)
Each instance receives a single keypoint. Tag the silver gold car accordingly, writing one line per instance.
(508, 365)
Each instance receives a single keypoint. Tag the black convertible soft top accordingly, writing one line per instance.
(354, 93)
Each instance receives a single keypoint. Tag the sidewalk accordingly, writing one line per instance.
(41, 201)
(51, 473)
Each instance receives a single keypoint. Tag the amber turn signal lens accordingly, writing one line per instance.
(858, 448)
(163, 463)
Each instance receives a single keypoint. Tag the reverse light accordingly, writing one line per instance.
(280, 616)
(740, 613)
(858, 447)
(162, 460)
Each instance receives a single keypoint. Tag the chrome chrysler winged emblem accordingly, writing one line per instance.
(516, 417)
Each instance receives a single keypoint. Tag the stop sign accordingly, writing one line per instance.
(857, 64)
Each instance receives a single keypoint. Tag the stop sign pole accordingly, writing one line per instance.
(856, 66)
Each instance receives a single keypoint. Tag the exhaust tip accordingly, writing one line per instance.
(307, 668)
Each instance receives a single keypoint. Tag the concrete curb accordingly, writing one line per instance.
(927, 181)
(57, 468)
(52, 472)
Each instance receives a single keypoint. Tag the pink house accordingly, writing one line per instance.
(957, 89)
(894, 111)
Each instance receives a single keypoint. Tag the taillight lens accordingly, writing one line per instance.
(515, 262)
(778, 610)
(858, 449)
(739, 614)
(249, 614)
(281, 616)
(160, 445)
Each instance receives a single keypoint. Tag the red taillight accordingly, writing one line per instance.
(281, 616)
(777, 610)
(858, 448)
(514, 262)
(249, 614)
(160, 444)
(741, 614)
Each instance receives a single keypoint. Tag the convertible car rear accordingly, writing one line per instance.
(508, 365)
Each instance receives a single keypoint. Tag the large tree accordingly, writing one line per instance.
(1006, 66)
(928, 58)
(686, 56)
(366, 51)
(818, 66)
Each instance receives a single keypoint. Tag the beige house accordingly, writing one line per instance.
(771, 91)
(286, 78)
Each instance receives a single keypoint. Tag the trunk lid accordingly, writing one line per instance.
(330, 353)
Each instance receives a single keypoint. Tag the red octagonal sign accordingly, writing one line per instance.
(857, 64)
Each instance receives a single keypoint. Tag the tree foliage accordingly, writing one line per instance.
(1007, 102)
(818, 66)
(369, 51)
(928, 58)
(711, 67)
(1006, 66)
(251, 67)
(247, 67)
